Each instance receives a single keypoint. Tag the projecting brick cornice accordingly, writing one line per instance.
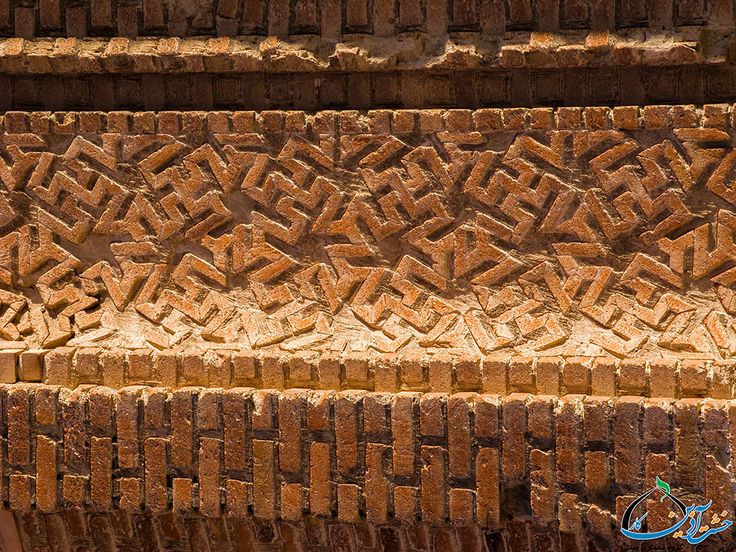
(369, 54)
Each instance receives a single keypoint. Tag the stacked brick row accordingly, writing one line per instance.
(305, 91)
(312, 91)
(381, 121)
(602, 376)
(360, 456)
(335, 18)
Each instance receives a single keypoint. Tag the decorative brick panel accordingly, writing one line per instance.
(433, 234)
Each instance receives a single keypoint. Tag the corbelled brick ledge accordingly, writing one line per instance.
(499, 374)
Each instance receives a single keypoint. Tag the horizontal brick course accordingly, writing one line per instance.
(379, 121)
(110, 86)
(537, 375)
(333, 18)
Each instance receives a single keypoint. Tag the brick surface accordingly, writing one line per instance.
(461, 479)
(406, 275)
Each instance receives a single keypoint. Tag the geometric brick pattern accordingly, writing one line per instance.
(570, 232)
(396, 275)
(567, 463)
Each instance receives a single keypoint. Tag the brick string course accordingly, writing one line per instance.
(336, 18)
(567, 465)
(445, 373)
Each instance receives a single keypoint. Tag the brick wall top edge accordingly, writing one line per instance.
(257, 54)
(380, 121)
(334, 18)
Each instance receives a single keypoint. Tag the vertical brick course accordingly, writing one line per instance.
(460, 468)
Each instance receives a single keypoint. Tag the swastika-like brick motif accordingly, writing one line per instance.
(571, 232)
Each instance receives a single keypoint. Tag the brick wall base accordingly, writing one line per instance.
(475, 466)
(76, 529)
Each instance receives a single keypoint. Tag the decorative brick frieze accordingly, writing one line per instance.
(570, 232)
(364, 275)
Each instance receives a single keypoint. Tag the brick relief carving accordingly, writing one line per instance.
(529, 232)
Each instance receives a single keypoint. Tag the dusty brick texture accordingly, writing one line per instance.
(482, 464)
(441, 372)
(336, 18)
(374, 249)
(364, 275)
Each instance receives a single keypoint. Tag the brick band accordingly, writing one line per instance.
(442, 372)
(568, 232)
(569, 461)
(336, 18)
(311, 91)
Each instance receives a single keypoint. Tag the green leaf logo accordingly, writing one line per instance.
(663, 485)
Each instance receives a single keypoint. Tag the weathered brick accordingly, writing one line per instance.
(320, 489)
(542, 481)
(210, 460)
(688, 461)
(403, 433)
(46, 470)
(627, 442)
(513, 451)
(433, 491)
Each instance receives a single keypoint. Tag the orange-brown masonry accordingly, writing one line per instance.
(569, 232)
(364, 275)
(356, 455)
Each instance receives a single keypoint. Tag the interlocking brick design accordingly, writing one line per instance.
(538, 232)
(386, 275)
(353, 456)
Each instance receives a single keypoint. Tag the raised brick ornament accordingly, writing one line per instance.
(389, 276)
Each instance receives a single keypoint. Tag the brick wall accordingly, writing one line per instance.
(363, 275)
(335, 18)
(569, 462)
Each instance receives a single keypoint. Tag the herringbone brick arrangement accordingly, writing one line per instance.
(376, 275)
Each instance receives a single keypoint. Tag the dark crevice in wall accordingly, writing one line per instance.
(607, 86)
